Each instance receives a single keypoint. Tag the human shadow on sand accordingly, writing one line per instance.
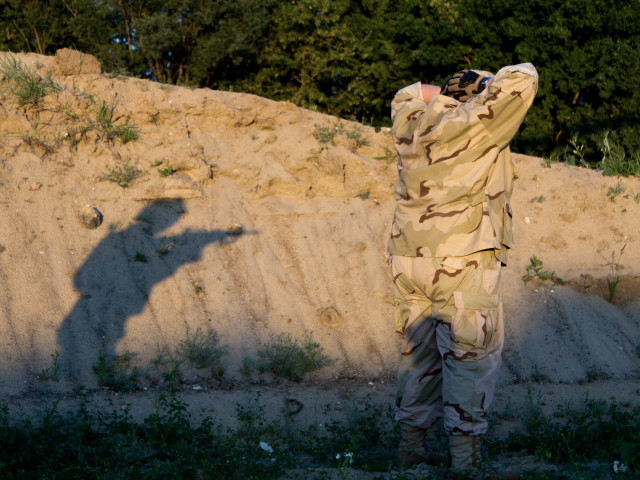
(115, 282)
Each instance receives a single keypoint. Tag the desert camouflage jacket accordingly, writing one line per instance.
(455, 173)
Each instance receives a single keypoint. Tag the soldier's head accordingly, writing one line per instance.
(466, 84)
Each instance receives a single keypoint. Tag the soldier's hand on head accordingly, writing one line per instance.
(465, 84)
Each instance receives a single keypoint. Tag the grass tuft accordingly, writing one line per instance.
(201, 348)
(356, 138)
(286, 357)
(106, 126)
(166, 171)
(123, 176)
(29, 87)
(615, 191)
(363, 194)
(115, 372)
(614, 278)
(388, 156)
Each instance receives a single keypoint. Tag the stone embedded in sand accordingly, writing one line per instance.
(73, 62)
(2, 249)
(330, 317)
(90, 217)
(235, 230)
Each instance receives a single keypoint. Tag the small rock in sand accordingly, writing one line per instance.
(90, 217)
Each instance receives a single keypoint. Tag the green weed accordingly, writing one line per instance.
(614, 278)
(166, 171)
(201, 348)
(615, 162)
(106, 126)
(356, 138)
(535, 270)
(554, 158)
(115, 372)
(285, 357)
(122, 176)
(140, 257)
(574, 153)
(251, 416)
(168, 360)
(51, 372)
(389, 155)
(616, 191)
(326, 135)
(29, 87)
(576, 436)
(364, 194)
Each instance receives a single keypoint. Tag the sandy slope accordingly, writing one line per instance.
(267, 234)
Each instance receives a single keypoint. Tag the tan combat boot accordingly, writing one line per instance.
(466, 461)
(465, 452)
(413, 449)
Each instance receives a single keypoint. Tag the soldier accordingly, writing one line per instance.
(450, 236)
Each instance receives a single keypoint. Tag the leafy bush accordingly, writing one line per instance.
(535, 270)
(200, 348)
(285, 357)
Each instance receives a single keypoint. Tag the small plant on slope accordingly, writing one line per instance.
(123, 176)
(201, 348)
(614, 278)
(534, 270)
(50, 373)
(106, 126)
(389, 155)
(30, 88)
(615, 161)
(115, 372)
(356, 138)
(285, 357)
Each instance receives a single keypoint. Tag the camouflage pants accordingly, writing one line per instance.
(449, 311)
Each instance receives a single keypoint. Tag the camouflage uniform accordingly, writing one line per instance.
(450, 235)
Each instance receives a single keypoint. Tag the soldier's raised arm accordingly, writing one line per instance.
(502, 106)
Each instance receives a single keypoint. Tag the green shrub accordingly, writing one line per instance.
(201, 348)
(123, 176)
(285, 357)
(535, 270)
(115, 372)
(616, 162)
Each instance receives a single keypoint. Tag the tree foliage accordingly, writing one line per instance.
(348, 57)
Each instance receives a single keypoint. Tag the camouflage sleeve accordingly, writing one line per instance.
(407, 97)
(502, 107)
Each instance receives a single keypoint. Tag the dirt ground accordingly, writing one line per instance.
(261, 229)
